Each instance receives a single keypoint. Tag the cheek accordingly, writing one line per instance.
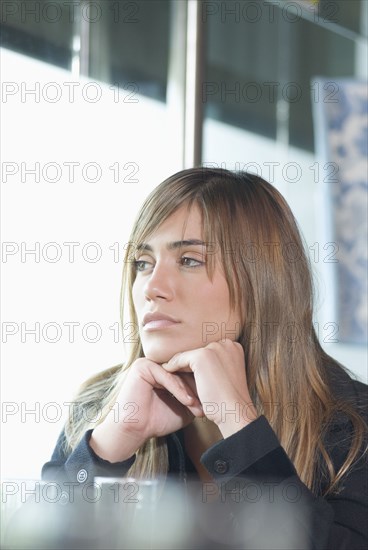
(216, 296)
(211, 303)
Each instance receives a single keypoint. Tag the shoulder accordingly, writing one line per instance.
(350, 404)
(347, 389)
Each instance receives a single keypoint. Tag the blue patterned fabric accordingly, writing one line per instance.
(342, 139)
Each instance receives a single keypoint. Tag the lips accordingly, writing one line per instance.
(158, 320)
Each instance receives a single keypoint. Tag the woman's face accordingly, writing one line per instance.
(171, 280)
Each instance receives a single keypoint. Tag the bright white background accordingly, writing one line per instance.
(42, 376)
(35, 374)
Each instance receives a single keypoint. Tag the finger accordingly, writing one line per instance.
(194, 409)
(177, 364)
(189, 380)
(173, 384)
(180, 361)
(197, 411)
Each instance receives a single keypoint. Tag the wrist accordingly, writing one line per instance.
(229, 428)
(112, 446)
(236, 417)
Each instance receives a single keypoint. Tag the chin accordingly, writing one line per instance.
(162, 350)
(158, 354)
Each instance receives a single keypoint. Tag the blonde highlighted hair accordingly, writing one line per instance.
(249, 226)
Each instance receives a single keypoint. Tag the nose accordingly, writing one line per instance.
(160, 284)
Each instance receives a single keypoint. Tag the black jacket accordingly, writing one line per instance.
(263, 503)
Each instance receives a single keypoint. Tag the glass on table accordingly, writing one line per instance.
(125, 511)
(141, 513)
(31, 512)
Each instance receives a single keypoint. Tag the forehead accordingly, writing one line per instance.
(184, 223)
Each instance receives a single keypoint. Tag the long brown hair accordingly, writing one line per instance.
(249, 225)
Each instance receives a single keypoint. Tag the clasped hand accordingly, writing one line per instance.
(216, 376)
(156, 400)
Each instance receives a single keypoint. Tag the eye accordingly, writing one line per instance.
(190, 262)
(141, 265)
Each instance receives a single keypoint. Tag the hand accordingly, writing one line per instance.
(152, 403)
(218, 372)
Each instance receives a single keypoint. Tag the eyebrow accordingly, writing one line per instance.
(173, 245)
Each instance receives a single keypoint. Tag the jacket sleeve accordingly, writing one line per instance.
(82, 465)
(270, 505)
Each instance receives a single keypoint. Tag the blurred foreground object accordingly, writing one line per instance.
(125, 513)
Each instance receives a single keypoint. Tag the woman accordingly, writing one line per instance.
(225, 379)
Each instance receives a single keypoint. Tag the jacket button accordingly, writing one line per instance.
(221, 467)
(82, 475)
